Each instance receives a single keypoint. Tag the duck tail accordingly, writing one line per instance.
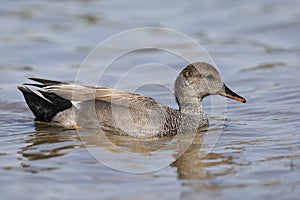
(44, 105)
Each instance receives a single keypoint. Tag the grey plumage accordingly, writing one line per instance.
(128, 113)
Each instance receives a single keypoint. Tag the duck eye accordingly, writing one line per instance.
(210, 77)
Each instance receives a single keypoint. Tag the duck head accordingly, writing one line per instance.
(199, 80)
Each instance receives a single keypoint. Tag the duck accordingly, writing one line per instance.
(82, 107)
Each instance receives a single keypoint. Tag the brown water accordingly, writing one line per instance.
(256, 46)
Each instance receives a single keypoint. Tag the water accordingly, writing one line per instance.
(255, 46)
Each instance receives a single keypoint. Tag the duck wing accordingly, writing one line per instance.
(76, 92)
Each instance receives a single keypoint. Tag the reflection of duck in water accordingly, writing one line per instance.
(48, 143)
(38, 142)
(188, 153)
(57, 143)
(129, 113)
(197, 163)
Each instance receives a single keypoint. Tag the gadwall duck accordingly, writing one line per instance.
(80, 106)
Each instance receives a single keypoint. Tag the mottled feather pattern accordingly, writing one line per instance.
(128, 113)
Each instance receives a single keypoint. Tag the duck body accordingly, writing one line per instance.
(128, 113)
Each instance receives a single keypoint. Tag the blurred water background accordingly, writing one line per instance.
(256, 46)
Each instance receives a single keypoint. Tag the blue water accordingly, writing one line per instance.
(256, 47)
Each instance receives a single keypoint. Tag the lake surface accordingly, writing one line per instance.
(256, 46)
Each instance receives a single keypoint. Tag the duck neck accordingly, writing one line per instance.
(191, 106)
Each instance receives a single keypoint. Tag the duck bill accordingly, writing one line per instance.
(226, 92)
